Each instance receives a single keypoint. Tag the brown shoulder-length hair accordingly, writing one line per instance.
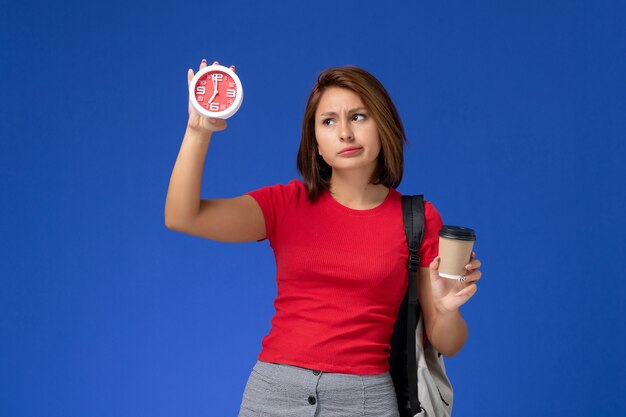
(314, 170)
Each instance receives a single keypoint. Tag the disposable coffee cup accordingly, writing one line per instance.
(455, 251)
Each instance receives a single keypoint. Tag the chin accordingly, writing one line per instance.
(355, 166)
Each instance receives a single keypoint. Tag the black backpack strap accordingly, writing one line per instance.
(413, 214)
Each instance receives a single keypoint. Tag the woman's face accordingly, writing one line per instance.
(347, 135)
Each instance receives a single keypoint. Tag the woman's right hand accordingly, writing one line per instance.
(196, 120)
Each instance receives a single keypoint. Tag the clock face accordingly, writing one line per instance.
(216, 91)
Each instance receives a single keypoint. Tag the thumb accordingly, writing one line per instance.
(434, 267)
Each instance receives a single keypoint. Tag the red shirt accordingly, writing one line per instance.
(341, 276)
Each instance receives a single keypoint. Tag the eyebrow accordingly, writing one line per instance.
(355, 110)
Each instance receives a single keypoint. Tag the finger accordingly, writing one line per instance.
(474, 276)
(468, 291)
(232, 68)
(434, 268)
(215, 63)
(474, 264)
(189, 76)
(434, 265)
(203, 63)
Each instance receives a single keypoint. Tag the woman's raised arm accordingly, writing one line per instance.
(229, 220)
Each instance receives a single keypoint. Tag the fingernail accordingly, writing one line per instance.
(203, 60)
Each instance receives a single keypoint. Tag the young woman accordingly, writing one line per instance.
(341, 253)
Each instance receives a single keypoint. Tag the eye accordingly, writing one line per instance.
(358, 117)
(327, 122)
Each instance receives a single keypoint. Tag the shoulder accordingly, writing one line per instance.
(294, 189)
(432, 218)
(430, 211)
(293, 186)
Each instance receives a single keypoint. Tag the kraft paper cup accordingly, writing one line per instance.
(455, 251)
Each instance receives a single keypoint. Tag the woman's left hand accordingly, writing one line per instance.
(449, 294)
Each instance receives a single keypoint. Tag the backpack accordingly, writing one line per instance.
(417, 369)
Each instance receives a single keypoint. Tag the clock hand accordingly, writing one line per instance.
(215, 92)
(214, 76)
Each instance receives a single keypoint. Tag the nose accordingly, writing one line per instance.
(345, 132)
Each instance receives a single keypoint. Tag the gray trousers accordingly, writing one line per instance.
(275, 390)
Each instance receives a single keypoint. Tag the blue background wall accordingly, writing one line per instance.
(516, 114)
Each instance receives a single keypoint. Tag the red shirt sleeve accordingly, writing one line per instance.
(430, 241)
(273, 201)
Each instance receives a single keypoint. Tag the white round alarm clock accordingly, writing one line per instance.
(216, 91)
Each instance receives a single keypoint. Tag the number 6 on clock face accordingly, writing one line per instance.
(216, 91)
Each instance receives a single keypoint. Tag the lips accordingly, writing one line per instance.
(349, 150)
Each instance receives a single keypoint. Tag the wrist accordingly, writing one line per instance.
(443, 312)
(197, 133)
(447, 319)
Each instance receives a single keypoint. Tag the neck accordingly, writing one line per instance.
(354, 190)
